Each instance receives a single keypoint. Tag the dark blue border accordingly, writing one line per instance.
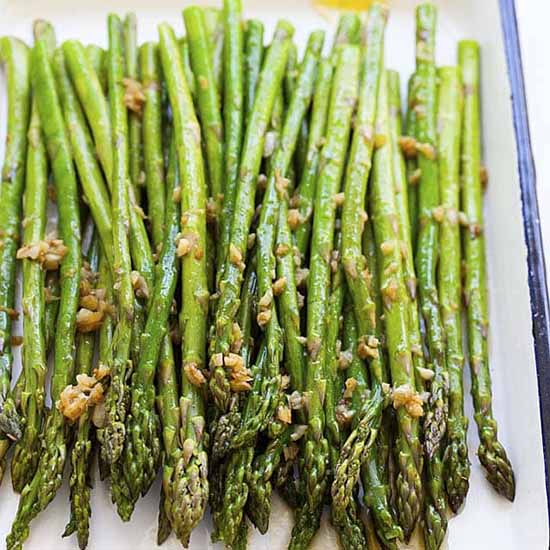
(540, 310)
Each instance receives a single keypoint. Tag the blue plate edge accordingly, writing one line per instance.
(540, 308)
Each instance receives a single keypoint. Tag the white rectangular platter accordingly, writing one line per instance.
(487, 521)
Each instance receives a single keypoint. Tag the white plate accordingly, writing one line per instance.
(487, 521)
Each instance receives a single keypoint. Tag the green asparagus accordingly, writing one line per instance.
(81, 453)
(26, 452)
(315, 451)
(394, 297)
(133, 99)
(230, 285)
(354, 262)
(233, 104)
(491, 453)
(457, 464)
(435, 420)
(190, 470)
(15, 56)
(49, 474)
(152, 139)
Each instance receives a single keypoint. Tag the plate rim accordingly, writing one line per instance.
(536, 266)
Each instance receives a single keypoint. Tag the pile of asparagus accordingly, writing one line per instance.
(255, 280)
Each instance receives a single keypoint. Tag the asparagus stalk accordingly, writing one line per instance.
(14, 54)
(142, 457)
(51, 291)
(132, 76)
(124, 295)
(96, 109)
(233, 98)
(354, 262)
(97, 57)
(374, 468)
(186, 60)
(230, 285)
(167, 404)
(92, 100)
(315, 452)
(152, 139)
(435, 421)
(190, 471)
(292, 73)
(394, 297)
(213, 18)
(89, 171)
(350, 528)
(348, 31)
(208, 100)
(253, 55)
(301, 145)
(48, 477)
(428, 235)
(288, 302)
(491, 453)
(26, 452)
(257, 415)
(457, 464)
(305, 193)
(81, 463)
(409, 274)
(411, 159)
(274, 195)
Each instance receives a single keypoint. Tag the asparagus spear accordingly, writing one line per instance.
(167, 404)
(167, 383)
(26, 452)
(232, 120)
(394, 297)
(89, 171)
(491, 453)
(41, 490)
(97, 57)
(348, 31)
(94, 104)
(410, 153)
(92, 100)
(152, 139)
(213, 18)
(81, 462)
(230, 285)
(354, 262)
(124, 295)
(51, 291)
(186, 60)
(132, 76)
(190, 471)
(315, 452)
(141, 459)
(401, 201)
(349, 526)
(428, 235)
(14, 54)
(258, 412)
(291, 76)
(374, 468)
(274, 195)
(435, 421)
(305, 193)
(208, 100)
(457, 464)
(253, 55)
